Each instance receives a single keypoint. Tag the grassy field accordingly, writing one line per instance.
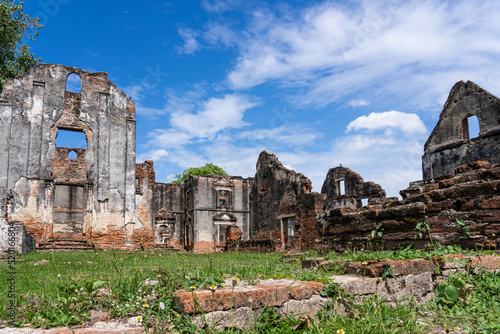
(71, 284)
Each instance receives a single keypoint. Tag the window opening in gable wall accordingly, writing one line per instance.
(74, 83)
(71, 139)
(470, 127)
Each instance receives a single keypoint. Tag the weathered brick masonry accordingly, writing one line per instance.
(472, 194)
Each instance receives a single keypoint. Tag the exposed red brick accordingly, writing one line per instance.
(491, 203)
(472, 166)
(486, 262)
(306, 289)
(242, 296)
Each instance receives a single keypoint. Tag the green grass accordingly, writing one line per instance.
(64, 291)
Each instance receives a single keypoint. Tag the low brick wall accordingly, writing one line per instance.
(411, 279)
(471, 195)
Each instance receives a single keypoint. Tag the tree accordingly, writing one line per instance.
(15, 27)
(199, 171)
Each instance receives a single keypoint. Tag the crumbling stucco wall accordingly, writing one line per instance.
(13, 236)
(344, 187)
(169, 206)
(450, 145)
(215, 204)
(54, 194)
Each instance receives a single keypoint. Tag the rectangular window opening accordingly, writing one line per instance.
(71, 139)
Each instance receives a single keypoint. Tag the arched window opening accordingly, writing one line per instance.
(72, 155)
(74, 83)
(72, 139)
(470, 127)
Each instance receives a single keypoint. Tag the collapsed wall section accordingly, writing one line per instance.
(283, 207)
(460, 209)
(346, 188)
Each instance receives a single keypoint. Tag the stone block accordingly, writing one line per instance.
(308, 307)
(310, 263)
(407, 267)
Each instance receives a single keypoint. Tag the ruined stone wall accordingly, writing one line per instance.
(53, 194)
(450, 144)
(344, 187)
(470, 194)
(283, 207)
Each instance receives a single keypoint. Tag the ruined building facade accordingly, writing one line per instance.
(61, 191)
(346, 188)
(283, 207)
(97, 194)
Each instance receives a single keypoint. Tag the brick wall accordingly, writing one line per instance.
(472, 194)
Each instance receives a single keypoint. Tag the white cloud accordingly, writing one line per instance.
(394, 49)
(407, 123)
(171, 138)
(216, 114)
(359, 103)
(191, 44)
(154, 155)
(292, 134)
(217, 6)
(134, 91)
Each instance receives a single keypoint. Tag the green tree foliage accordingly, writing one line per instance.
(15, 27)
(199, 171)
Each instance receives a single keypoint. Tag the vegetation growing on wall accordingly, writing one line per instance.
(208, 169)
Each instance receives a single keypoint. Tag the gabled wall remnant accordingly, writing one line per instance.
(450, 144)
(343, 187)
(283, 207)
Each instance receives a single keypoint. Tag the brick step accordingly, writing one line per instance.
(64, 245)
(65, 249)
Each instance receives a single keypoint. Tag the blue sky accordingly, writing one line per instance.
(319, 83)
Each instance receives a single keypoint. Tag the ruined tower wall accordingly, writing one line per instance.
(450, 144)
(100, 182)
(344, 187)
